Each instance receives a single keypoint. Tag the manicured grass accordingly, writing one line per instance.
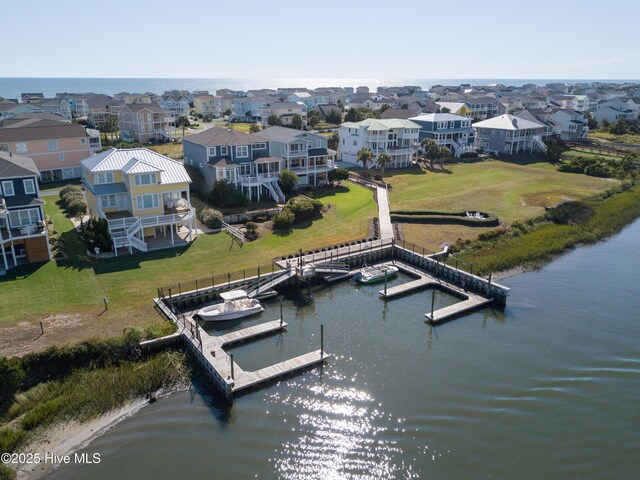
(543, 241)
(510, 190)
(76, 286)
(172, 150)
(239, 126)
(589, 154)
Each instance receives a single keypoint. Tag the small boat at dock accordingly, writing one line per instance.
(376, 273)
(235, 304)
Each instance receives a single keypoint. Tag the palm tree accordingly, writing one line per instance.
(383, 159)
(364, 157)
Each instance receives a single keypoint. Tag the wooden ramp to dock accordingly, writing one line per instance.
(269, 284)
(423, 281)
(447, 313)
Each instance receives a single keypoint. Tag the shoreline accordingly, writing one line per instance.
(66, 438)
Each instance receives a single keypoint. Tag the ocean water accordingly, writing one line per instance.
(546, 389)
(11, 87)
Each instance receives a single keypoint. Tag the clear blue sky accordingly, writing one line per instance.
(328, 38)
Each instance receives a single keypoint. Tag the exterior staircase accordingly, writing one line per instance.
(460, 149)
(537, 141)
(275, 191)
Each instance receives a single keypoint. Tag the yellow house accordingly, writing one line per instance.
(144, 196)
(457, 108)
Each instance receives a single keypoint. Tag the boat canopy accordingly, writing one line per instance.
(233, 295)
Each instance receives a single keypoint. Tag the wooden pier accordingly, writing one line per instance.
(227, 374)
(447, 313)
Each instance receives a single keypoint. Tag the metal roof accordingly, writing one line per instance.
(439, 117)
(107, 188)
(144, 160)
(373, 124)
(507, 122)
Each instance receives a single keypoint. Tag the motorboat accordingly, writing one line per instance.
(235, 304)
(376, 273)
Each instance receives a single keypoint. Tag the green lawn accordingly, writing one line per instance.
(76, 286)
(172, 150)
(626, 138)
(589, 154)
(510, 190)
(239, 126)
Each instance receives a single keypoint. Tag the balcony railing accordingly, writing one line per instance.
(3, 206)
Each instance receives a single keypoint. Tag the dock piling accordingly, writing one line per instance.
(385, 284)
(321, 340)
(231, 360)
(280, 310)
(433, 301)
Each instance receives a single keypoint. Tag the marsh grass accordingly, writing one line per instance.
(541, 240)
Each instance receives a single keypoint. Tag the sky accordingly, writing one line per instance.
(328, 38)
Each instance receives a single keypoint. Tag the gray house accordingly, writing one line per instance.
(304, 153)
(241, 159)
(509, 134)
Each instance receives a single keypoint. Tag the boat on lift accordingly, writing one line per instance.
(235, 304)
(376, 273)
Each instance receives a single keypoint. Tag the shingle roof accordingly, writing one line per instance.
(215, 136)
(142, 159)
(41, 130)
(280, 134)
(22, 201)
(404, 113)
(16, 166)
(138, 107)
(508, 122)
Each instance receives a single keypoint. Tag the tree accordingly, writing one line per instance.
(404, 106)
(296, 122)
(592, 123)
(433, 151)
(351, 116)
(227, 112)
(313, 119)
(287, 181)
(364, 157)
(334, 141)
(182, 121)
(110, 125)
(554, 150)
(273, 120)
(248, 115)
(334, 116)
(338, 174)
(384, 107)
(445, 110)
(254, 128)
(340, 104)
(383, 160)
(619, 128)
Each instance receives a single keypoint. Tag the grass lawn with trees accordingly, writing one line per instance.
(510, 190)
(68, 294)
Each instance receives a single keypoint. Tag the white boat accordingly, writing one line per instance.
(235, 304)
(376, 273)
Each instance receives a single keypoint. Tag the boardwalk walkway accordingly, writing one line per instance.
(384, 216)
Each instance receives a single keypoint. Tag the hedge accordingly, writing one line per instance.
(447, 219)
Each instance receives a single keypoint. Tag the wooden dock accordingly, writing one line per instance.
(447, 313)
(227, 373)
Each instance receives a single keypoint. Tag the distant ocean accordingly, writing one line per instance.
(13, 87)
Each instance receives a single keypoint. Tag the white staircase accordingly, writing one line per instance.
(275, 191)
(460, 149)
(233, 232)
(537, 141)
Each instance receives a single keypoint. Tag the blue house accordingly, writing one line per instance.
(446, 129)
(23, 232)
(241, 159)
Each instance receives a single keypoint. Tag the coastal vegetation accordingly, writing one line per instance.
(536, 241)
(78, 383)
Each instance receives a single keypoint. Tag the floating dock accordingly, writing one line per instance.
(447, 313)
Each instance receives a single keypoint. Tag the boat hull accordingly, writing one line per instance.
(216, 316)
(368, 279)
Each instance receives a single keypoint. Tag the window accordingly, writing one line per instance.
(145, 179)
(146, 202)
(23, 218)
(52, 145)
(318, 143)
(83, 141)
(259, 146)
(224, 150)
(242, 151)
(104, 177)
(142, 127)
(245, 169)
(451, 125)
(148, 117)
(61, 157)
(29, 186)
(21, 148)
(108, 201)
(7, 188)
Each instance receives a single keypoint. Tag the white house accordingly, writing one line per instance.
(396, 137)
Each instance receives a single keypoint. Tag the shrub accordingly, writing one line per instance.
(11, 375)
(211, 217)
(252, 230)
(284, 219)
(95, 233)
(224, 194)
(492, 234)
(287, 181)
(598, 170)
(70, 188)
(338, 174)
(10, 439)
(196, 177)
(566, 213)
(76, 207)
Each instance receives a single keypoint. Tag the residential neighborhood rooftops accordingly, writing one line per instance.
(507, 122)
(439, 117)
(16, 166)
(138, 107)
(223, 136)
(403, 113)
(373, 124)
(41, 130)
(138, 160)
